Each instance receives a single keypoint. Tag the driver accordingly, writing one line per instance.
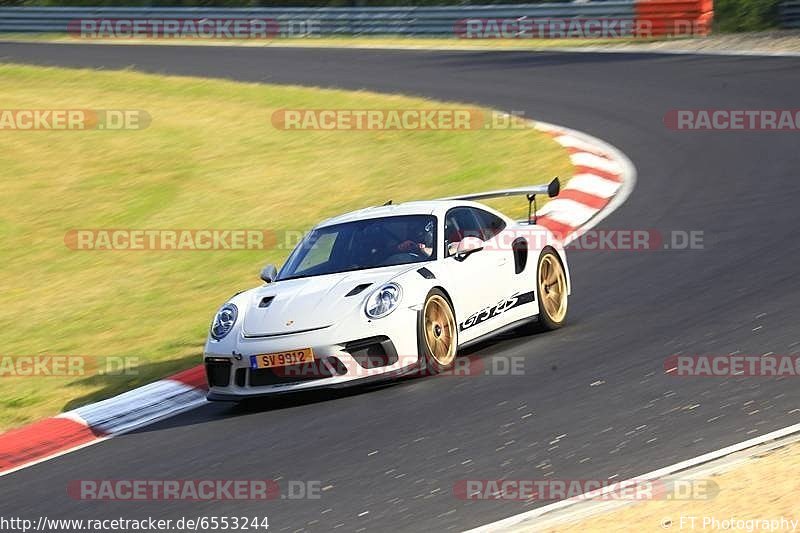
(422, 242)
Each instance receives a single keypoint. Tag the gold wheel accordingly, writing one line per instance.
(552, 288)
(440, 330)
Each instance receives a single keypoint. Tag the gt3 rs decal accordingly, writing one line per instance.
(499, 308)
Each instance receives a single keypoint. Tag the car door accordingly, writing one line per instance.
(492, 227)
(472, 278)
(513, 281)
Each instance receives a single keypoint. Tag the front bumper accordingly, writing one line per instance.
(343, 356)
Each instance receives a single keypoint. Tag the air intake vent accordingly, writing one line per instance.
(425, 273)
(266, 301)
(358, 288)
(373, 352)
(218, 373)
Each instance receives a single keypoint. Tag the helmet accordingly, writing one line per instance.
(425, 234)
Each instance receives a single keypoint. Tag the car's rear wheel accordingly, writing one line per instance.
(551, 290)
(438, 334)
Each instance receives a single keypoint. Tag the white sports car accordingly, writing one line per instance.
(387, 291)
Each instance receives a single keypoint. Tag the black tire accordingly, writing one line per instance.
(437, 334)
(551, 290)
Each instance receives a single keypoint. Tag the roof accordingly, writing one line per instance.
(425, 207)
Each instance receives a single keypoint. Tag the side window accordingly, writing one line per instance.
(490, 224)
(459, 223)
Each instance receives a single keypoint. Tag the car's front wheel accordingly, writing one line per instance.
(551, 290)
(438, 334)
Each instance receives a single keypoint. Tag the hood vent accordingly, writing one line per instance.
(357, 289)
(266, 301)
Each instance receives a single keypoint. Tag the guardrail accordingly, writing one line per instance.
(504, 21)
(790, 15)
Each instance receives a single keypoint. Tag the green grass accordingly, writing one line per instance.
(733, 16)
(210, 159)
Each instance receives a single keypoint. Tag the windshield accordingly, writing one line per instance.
(362, 244)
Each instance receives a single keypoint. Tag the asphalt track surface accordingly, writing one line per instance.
(390, 456)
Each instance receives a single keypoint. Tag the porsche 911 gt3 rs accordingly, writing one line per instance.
(387, 291)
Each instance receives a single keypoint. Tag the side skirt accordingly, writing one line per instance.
(499, 331)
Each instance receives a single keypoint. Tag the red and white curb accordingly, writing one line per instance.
(604, 178)
(90, 424)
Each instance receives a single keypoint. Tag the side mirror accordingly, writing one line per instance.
(269, 273)
(467, 246)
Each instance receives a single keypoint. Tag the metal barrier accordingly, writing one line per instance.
(604, 19)
(409, 21)
(790, 14)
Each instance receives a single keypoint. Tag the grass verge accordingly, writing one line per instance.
(750, 497)
(210, 158)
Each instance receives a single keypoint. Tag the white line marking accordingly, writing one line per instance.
(595, 185)
(455, 48)
(598, 49)
(587, 159)
(548, 128)
(53, 456)
(135, 408)
(74, 416)
(503, 525)
(170, 409)
(568, 212)
(569, 141)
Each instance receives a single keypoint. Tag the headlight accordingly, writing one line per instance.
(224, 321)
(383, 301)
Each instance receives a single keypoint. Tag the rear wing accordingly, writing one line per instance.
(551, 189)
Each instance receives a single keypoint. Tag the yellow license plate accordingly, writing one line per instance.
(293, 357)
